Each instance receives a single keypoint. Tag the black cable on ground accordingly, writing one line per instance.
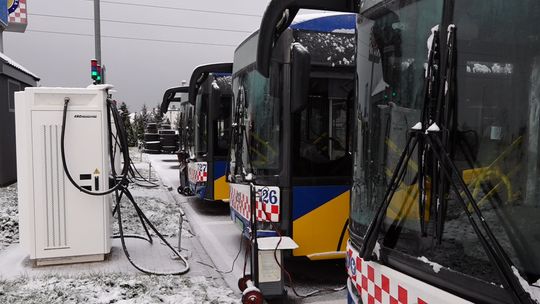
(160, 236)
(135, 172)
(132, 170)
(233, 263)
(121, 187)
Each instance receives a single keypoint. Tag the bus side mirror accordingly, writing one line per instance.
(170, 96)
(300, 75)
(215, 103)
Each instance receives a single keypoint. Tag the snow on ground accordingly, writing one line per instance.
(164, 215)
(160, 207)
(9, 216)
(115, 288)
(127, 288)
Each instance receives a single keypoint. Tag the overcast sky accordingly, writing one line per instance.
(59, 42)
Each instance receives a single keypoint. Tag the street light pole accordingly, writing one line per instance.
(97, 30)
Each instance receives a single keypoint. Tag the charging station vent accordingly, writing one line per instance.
(55, 199)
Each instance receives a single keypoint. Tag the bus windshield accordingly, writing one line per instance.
(494, 134)
(256, 100)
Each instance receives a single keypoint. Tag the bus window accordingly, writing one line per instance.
(222, 127)
(264, 121)
(201, 124)
(189, 133)
(498, 126)
(256, 107)
(321, 143)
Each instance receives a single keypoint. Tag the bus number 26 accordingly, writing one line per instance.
(269, 196)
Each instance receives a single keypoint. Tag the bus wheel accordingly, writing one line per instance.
(242, 282)
(187, 191)
(252, 297)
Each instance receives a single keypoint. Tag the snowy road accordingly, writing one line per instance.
(221, 240)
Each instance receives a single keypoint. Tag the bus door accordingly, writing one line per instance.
(322, 166)
(219, 134)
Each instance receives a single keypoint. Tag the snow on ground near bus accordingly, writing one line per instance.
(115, 288)
(158, 206)
(164, 215)
(9, 216)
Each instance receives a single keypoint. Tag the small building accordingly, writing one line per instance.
(13, 78)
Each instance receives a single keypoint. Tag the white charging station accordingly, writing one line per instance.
(58, 223)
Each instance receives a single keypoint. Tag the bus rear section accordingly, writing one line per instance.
(183, 124)
(211, 90)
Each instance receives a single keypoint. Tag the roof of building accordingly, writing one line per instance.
(17, 66)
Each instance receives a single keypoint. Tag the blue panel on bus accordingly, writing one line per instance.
(221, 74)
(327, 23)
(309, 198)
(219, 168)
(200, 192)
(4, 12)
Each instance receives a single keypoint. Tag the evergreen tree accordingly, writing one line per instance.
(140, 122)
(124, 113)
(158, 116)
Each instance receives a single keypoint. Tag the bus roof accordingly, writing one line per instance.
(318, 32)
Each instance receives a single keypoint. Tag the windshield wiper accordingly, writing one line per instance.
(429, 141)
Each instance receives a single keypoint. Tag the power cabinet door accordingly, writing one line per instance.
(67, 221)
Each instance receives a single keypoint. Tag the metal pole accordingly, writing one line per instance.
(97, 30)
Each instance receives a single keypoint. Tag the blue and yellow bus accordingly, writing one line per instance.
(292, 135)
(210, 92)
(445, 198)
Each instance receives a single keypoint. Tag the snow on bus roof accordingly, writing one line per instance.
(325, 22)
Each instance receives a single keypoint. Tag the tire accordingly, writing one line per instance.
(152, 145)
(169, 149)
(167, 132)
(151, 128)
(151, 137)
(168, 140)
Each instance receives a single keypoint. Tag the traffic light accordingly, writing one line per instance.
(96, 71)
(98, 79)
